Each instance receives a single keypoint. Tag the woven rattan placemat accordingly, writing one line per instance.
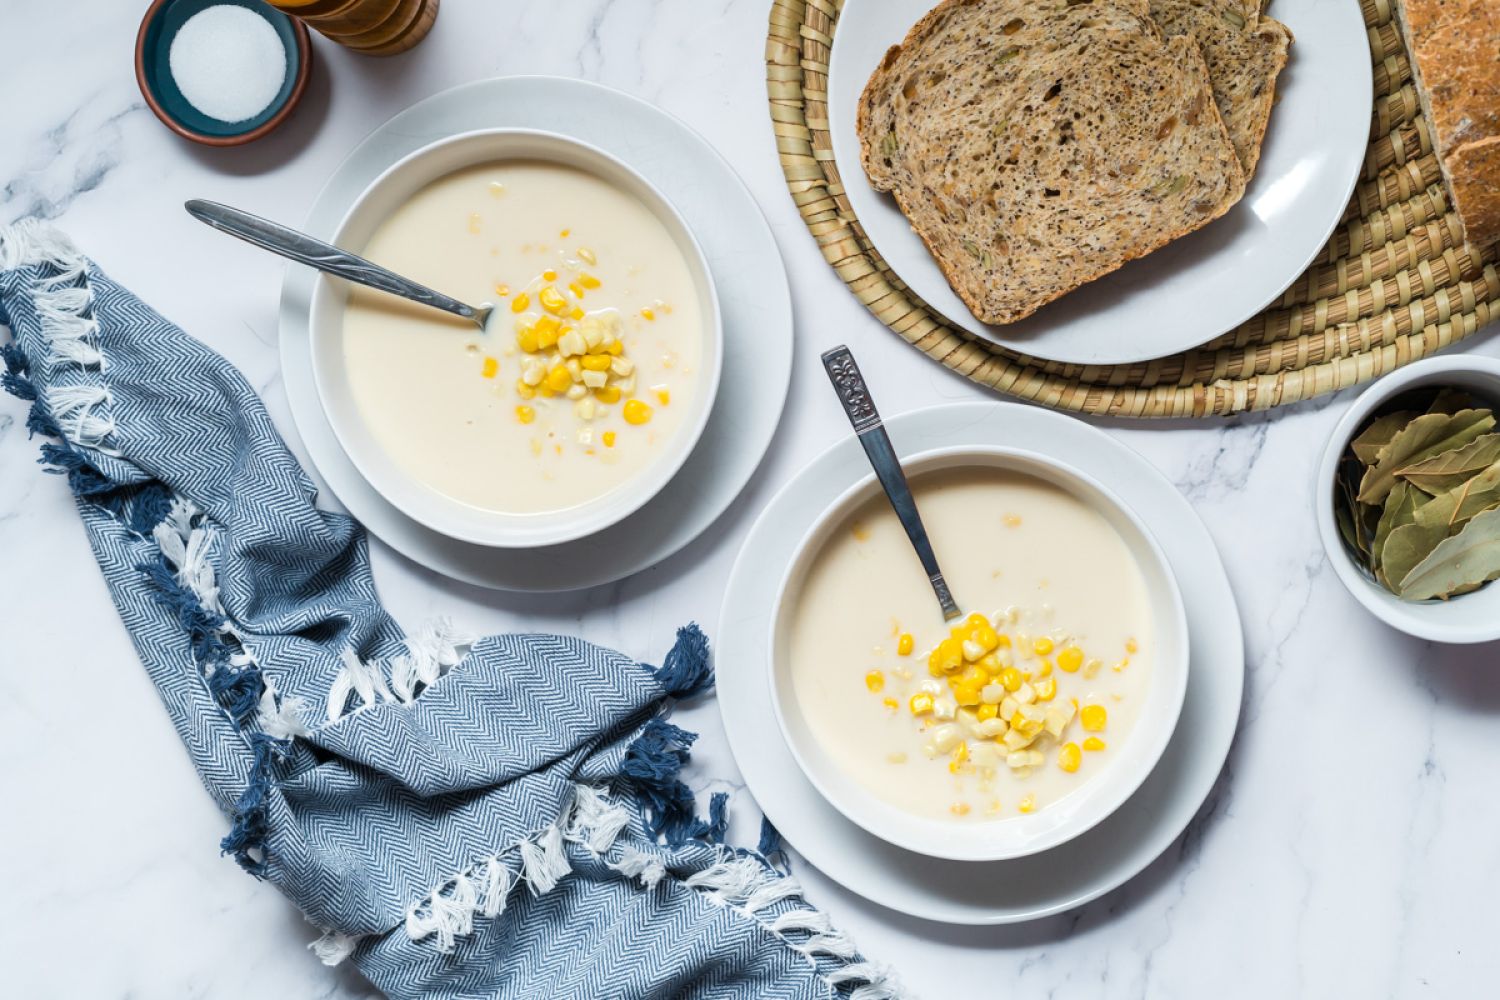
(1394, 284)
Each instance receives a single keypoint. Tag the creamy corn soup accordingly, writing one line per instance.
(587, 368)
(1004, 712)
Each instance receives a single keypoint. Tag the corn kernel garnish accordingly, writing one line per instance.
(587, 280)
(502, 289)
(1070, 658)
(552, 300)
(959, 809)
(648, 313)
(1042, 646)
(1093, 718)
(905, 644)
(921, 703)
(662, 393)
(1069, 756)
(549, 275)
(525, 414)
(1093, 743)
(875, 680)
(891, 704)
(1132, 647)
(1012, 520)
(1027, 804)
(491, 368)
(636, 412)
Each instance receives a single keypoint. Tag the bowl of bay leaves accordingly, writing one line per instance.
(1409, 499)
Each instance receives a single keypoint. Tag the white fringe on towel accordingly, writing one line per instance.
(434, 650)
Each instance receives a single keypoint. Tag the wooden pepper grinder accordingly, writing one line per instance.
(373, 27)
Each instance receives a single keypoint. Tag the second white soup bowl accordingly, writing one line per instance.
(1018, 835)
(420, 502)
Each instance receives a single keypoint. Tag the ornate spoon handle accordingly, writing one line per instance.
(860, 408)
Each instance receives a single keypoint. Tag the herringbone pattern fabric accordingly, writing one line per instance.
(396, 788)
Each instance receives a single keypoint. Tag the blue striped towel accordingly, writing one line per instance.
(462, 816)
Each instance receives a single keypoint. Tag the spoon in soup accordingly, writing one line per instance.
(859, 406)
(328, 258)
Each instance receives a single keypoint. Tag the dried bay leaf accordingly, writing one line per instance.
(1451, 401)
(1467, 560)
(1425, 437)
(1376, 436)
(1400, 510)
(1434, 522)
(1449, 471)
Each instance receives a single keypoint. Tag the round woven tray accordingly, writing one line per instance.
(1395, 283)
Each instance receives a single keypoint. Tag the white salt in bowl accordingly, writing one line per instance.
(1014, 835)
(1470, 618)
(417, 500)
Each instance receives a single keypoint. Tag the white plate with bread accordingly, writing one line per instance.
(1099, 181)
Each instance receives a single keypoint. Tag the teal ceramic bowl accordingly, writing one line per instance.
(153, 45)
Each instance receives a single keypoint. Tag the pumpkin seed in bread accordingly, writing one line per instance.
(1037, 146)
(1245, 55)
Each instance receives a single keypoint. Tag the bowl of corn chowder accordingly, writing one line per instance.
(1015, 728)
(586, 390)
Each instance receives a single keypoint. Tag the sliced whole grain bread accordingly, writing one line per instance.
(1036, 146)
(1244, 54)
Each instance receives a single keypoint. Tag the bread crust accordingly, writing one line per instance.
(1454, 47)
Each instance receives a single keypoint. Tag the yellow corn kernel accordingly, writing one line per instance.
(1046, 688)
(905, 644)
(1004, 642)
(1091, 668)
(1069, 757)
(608, 394)
(960, 758)
(951, 654)
(1042, 646)
(1026, 805)
(549, 275)
(587, 256)
(1010, 679)
(987, 711)
(552, 300)
(491, 368)
(1045, 670)
(548, 330)
(502, 289)
(576, 289)
(577, 314)
(609, 439)
(1132, 647)
(636, 412)
(975, 620)
(1070, 659)
(525, 414)
(959, 809)
(987, 637)
(974, 674)
(648, 313)
(1093, 743)
(891, 703)
(1121, 665)
(615, 347)
(559, 378)
(595, 362)
(527, 341)
(1093, 718)
(585, 279)
(524, 391)
(966, 693)
(875, 681)
(662, 393)
(520, 302)
(921, 703)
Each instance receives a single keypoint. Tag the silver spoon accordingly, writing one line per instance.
(860, 408)
(304, 249)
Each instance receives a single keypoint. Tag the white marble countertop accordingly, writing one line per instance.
(1348, 851)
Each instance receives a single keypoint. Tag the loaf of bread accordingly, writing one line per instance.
(1245, 53)
(1036, 145)
(1455, 57)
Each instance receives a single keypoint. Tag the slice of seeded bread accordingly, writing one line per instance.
(1244, 55)
(1036, 146)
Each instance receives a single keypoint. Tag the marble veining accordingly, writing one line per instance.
(1348, 849)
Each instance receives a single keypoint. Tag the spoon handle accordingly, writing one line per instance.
(304, 249)
(860, 408)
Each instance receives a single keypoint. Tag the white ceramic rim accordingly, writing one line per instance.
(454, 518)
(991, 892)
(757, 320)
(1472, 618)
(1096, 324)
(1083, 808)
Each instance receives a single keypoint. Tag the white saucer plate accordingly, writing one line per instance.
(1197, 287)
(748, 275)
(996, 892)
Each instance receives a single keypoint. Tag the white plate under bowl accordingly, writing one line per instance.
(988, 892)
(1130, 761)
(394, 188)
(748, 275)
(1197, 287)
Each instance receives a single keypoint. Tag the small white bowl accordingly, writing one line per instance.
(1471, 618)
(1081, 809)
(417, 500)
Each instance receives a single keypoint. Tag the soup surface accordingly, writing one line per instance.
(588, 366)
(999, 715)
